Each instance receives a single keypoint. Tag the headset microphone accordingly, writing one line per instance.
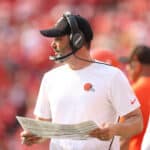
(60, 57)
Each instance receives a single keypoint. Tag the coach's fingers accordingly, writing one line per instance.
(30, 140)
(26, 134)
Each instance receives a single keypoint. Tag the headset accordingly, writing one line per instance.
(76, 40)
(76, 36)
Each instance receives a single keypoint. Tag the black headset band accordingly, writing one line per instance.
(71, 20)
(76, 35)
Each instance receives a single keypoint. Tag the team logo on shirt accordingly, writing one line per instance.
(88, 87)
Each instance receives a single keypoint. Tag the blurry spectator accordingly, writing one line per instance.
(146, 143)
(138, 69)
(106, 56)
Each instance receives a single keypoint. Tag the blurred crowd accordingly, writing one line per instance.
(118, 26)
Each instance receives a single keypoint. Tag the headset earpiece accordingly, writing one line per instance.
(76, 36)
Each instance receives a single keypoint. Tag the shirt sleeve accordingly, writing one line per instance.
(122, 96)
(42, 108)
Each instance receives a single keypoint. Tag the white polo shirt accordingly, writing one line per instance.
(62, 98)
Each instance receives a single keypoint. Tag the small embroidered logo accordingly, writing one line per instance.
(88, 87)
(133, 101)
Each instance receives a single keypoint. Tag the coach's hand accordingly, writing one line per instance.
(105, 132)
(29, 139)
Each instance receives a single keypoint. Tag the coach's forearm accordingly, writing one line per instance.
(132, 125)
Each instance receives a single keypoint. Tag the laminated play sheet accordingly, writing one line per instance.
(47, 129)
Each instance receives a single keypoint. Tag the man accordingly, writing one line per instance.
(138, 68)
(81, 90)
